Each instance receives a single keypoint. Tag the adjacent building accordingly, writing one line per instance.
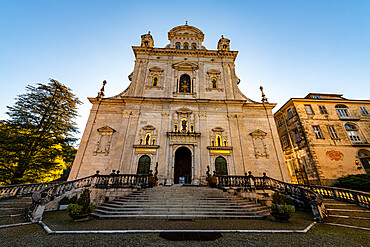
(324, 137)
(182, 115)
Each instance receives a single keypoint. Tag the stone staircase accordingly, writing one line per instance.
(181, 202)
(347, 214)
(12, 211)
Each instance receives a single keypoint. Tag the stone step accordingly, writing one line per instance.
(101, 212)
(114, 210)
(181, 217)
(209, 206)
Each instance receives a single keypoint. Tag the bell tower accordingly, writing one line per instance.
(223, 44)
(147, 40)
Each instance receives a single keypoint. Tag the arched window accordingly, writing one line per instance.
(153, 141)
(177, 45)
(186, 46)
(218, 140)
(155, 81)
(192, 128)
(175, 128)
(147, 139)
(364, 156)
(146, 44)
(194, 46)
(214, 82)
(342, 111)
(141, 141)
(143, 165)
(185, 84)
(352, 132)
(212, 142)
(224, 47)
(225, 143)
(221, 166)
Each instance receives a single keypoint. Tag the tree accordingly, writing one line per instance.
(34, 140)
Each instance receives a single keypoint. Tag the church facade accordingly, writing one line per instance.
(182, 115)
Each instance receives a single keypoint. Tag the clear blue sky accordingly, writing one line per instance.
(290, 47)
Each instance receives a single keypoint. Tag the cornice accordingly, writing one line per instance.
(138, 50)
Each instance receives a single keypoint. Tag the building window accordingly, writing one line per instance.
(318, 132)
(214, 82)
(184, 86)
(284, 141)
(175, 128)
(153, 141)
(193, 46)
(364, 110)
(342, 111)
(177, 45)
(186, 46)
(296, 135)
(155, 81)
(316, 97)
(352, 132)
(308, 109)
(279, 121)
(333, 133)
(225, 143)
(323, 109)
(191, 128)
(290, 114)
(218, 140)
(212, 142)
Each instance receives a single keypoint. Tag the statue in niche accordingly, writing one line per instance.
(175, 128)
(184, 125)
(147, 138)
(141, 141)
(192, 128)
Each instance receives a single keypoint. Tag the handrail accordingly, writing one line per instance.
(19, 190)
(42, 197)
(307, 196)
(353, 196)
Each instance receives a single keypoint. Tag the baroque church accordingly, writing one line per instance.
(182, 115)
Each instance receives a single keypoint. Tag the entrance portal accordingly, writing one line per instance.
(182, 165)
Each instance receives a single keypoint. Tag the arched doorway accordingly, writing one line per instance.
(364, 156)
(143, 165)
(221, 166)
(182, 165)
(185, 84)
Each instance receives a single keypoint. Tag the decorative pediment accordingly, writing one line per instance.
(106, 129)
(184, 110)
(185, 66)
(156, 69)
(213, 72)
(148, 127)
(218, 129)
(258, 133)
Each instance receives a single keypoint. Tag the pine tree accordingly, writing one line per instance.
(39, 129)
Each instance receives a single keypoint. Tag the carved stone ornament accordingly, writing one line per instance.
(218, 129)
(104, 141)
(213, 72)
(156, 69)
(183, 110)
(260, 149)
(185, 66)
(335, 155)
(148, 127)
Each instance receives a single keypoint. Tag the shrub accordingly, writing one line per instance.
(355, 182)
(282, 212)
(82, 205)
(278, 198)
(64, 201)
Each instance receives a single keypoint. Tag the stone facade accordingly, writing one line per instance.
(324, 137)
(182, 114)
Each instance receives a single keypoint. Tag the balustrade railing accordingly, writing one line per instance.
(115, 180)
(352, 196)
(19, 190)
(307, 196)
(121, 180)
